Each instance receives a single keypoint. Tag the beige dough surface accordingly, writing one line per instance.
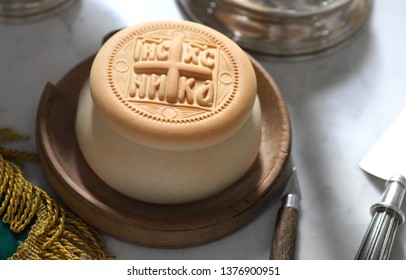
(173, 84)
(162, 176)
(170, 112)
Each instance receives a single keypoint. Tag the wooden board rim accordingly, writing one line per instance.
(174, 231)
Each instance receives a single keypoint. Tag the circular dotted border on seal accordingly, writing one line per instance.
(140, 31)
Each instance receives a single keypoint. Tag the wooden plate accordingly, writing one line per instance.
(163, 226)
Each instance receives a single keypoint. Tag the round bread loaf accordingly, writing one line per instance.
(170, 112)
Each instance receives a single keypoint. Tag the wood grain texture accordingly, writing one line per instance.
(163, 226)
(284, 239)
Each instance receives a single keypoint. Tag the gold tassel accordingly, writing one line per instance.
(55, 233)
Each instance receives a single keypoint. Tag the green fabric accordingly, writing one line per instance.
(9, 240)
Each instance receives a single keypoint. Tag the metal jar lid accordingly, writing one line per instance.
(282, 28)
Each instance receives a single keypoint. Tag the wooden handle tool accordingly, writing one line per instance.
(285, 233)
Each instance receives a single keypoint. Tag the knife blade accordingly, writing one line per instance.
(285, 232)
(386, 159)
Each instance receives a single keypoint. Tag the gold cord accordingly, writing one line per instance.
(55, 233)
(7, 135)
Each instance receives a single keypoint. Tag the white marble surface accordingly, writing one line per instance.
(339, 104)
